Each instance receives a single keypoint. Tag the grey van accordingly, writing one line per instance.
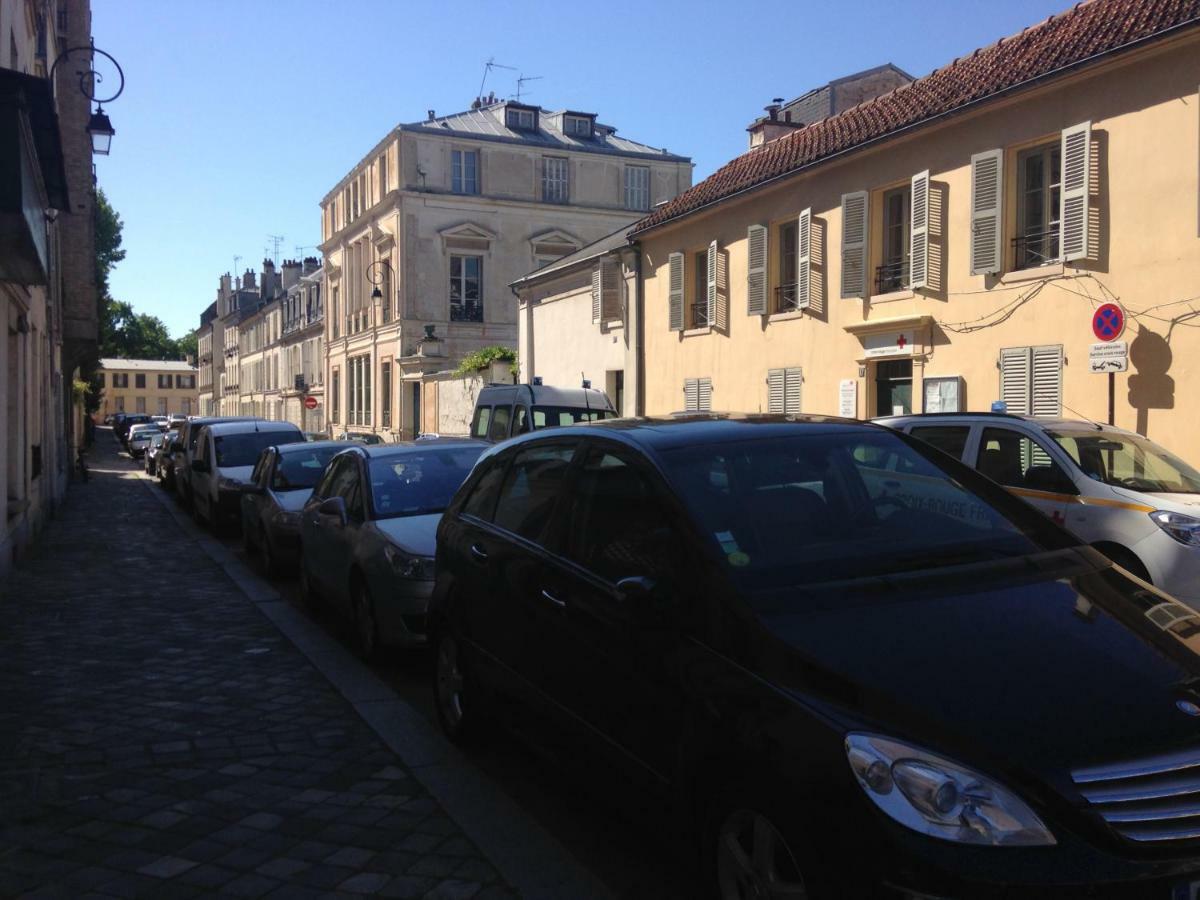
(504, 410)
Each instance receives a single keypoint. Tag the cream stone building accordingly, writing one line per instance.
(158, 387)
(946, 245)
(422, 238)
(302, 349)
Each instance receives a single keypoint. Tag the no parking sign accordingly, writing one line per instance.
(1108, 322)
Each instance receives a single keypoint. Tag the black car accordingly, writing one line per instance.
(861, 668)
(128, 420)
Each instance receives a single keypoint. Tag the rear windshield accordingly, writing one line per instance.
(302, 468)
(235, 450)
(419, 483)
(551, 416)
(829, 507)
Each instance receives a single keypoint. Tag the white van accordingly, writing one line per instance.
(223, 461)
(504, 410)
(1115, 489)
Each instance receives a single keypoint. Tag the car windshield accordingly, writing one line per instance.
(242, 449)
(551, 416)
(420, 482)
(1128, 461)
(302, 468)
(846, 505)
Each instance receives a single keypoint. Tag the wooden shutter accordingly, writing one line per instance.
(610, 289)
(691, 394)
(596, 289)
(854, 244)
(675, 291)
(1047, 381)
(1073, 198)
(711, 283)
(918, 258)
(804, 260)
(775, 386)
(756, 270)
(1015, 367)
(704, 394)
(791, 391)
(987, 197)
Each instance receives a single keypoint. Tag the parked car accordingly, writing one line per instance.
(1131, 499)
(162, 422)
(176, 419)
(169, 456)
(861, 668)
(282, 481)
(152, 451)
(362, 437)
(367, 535)
(183, 463)
(139, 438)
(315, 436)
(121, 427)
(502, 410)
(223, 461)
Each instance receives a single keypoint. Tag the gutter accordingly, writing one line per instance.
(904, 129)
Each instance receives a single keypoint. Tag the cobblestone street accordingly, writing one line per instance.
(160, 737)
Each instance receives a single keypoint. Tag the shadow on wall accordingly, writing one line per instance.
(1150, 387)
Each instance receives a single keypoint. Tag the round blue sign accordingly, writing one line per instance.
(1108, 322)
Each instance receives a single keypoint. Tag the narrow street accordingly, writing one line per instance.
(162, 737)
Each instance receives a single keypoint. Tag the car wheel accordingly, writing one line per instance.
(455, 693)
(366, 629)
(754, 860)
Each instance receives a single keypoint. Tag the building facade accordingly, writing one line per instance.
(210, 364)
(422, 238)
(302, 348)
(158, 387)
(47, 261)
(946, 245)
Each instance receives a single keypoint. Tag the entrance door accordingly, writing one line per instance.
(893, 387)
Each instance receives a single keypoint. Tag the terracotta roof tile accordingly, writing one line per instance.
(1086, 30)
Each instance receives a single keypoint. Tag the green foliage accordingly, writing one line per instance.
(483, 358)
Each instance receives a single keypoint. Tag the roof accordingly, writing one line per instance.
(148, 365)
(1038, 421)
(584, 254)
(249, 426)
(1080, 35)
(400, 448)
(301, 446)
(549, 394)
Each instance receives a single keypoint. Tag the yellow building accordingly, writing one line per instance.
(947, 244)
(158, 387)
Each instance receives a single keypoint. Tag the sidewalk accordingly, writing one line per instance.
(160, 737)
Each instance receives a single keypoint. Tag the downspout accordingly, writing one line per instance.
(639, 333)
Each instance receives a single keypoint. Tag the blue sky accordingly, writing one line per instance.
(239, 115)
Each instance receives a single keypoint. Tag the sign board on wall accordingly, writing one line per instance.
(1109, 357)
(942, 394)
(892, 343)
(310, 402)
(848, 398)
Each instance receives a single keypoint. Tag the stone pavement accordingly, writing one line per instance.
(160, 738)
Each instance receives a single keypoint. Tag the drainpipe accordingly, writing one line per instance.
(639, 333)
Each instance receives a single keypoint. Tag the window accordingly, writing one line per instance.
(637, 188)
(336, 396)
(785, 294)
(354, 200)
(120, 404)
(1016, 460)
(186, 406)
(1039, 183)
(1031, 380)
(139, 381)
(951, 439)
(385, 394)
(466, 280)
(164, 382)
(697, 394)
(185, 382)
(482, 423)
(100, 379)
(162, 406)
(578, 126)
(334, 312)
(120, 380)
(554, 179)
(359, 390)
(140, 402)
(333, 215)
(482, 500)
(783, 391)
(383, 175)
(531, 489)
(699, 306)
(499, 427)
(521, 119)
(464, 171)
(892, 274)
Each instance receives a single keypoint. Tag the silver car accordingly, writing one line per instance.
(368, 533)
(139, 439)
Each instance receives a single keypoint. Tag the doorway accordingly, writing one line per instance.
(893, 387)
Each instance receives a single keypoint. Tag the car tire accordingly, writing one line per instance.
(744, 853)
(366, 626)
(455, 691)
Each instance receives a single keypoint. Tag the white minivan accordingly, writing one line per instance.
(222, 463)
(1115, 489)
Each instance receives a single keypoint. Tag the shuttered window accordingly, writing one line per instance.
(596, 291)
(854, 244)
(756, 270)
(637, 187)
(697, 394)
(675, 292)
(986, 195)
(783, 391)
(1076, 181)
(1031, 380)
(918, 264)
(606, 285)
(804, 260)
(710, 287)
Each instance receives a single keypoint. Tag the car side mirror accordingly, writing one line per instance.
(199, 465)
(335, 507)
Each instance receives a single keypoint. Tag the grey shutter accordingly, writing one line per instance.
(711, 284)
(1015, 367)
(756, 270)
(1047, 380)
(610, 289)
(987, 179)
(804, 260)
(854, 244)
(1073, 198)
(918, 258)
(791, 387)
(675, 291)
(775, 387)
(691, 394)
(596, 288)
(704, 394)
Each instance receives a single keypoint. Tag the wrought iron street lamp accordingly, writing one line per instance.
(99, 126)
(380, 278)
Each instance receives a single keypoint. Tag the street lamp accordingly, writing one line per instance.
(377, 280)
(99, 126)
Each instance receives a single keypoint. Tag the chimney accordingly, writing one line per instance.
(771, 127)
(311, 264)
(248, 280)
(226, 288)
(291, 274)
(270, 284)
(431, 116)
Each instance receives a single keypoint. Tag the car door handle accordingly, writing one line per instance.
(479, 553)
(561, 604)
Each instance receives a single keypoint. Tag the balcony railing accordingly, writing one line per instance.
(1035, 249)
(891, 276)
(700, 315)
(785, 298)
(470, 311)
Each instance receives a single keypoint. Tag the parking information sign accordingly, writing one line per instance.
(1109, 357)
(1108, 322)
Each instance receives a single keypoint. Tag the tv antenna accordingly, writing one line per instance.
(237, 276)
(521, 83)
(276, 240)
(300, 248)
(487, 70)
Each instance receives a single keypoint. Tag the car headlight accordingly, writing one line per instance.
(406, 566)
(932, 795)
(1184, 529)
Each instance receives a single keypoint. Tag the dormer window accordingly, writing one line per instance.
(520, 119)
(577, 126)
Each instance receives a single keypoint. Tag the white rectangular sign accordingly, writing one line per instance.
(848, 398)
(895, 343)
(1109, 357)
